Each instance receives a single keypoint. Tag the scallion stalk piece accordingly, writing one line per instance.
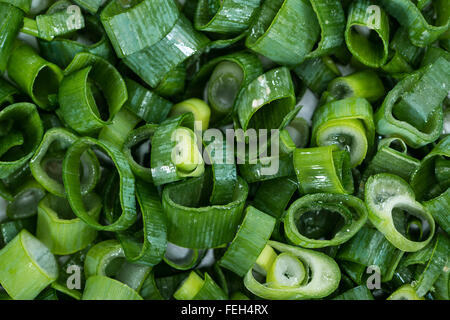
(331, 18)
(303, 225)
(91, 83)
(363, 84)
(286, 272)
(21, 132)
(420, 31)
(267, 101)
(323, 169)
(249, 242)
(386, 195)
(347, 123)
(412, 109)
(174, 153)
(93, 39)
(195, 224)
(199, 108)
(195, 287)
(60, 230)
(150, 20)
(104, 288)
(134, 139)
(367, 33)
(27, 267)
(155, 61)
(60, 19)
(146, 104)
(285, 31)
(221, 79)
(226, 17)
(428, 183)
(405, 292)
(10, 21)
(40, 80)
(71, 178)
(151, 251)
(46, 164)
(324, 276)
(389, 159)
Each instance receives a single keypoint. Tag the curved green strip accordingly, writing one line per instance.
(351, 208)
(385, 192)
(285, 31)
(71, 178)
(324, 279)
(193, 224)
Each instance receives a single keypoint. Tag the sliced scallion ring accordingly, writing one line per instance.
(384, 194)
(28, 267)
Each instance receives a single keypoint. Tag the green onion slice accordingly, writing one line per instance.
(21, 132)
(434, 259)
(412, 109)
(133, 140)
(405, 292)
(347, 123)
(331, 18)
(146, 104)
(420, 31)
(369, 248)
(195, 287)
(154, 62)
(27, 267)
(134, 25)
(195, 224)
(226, 17)
(299, 222)
(285, 31)
(362, 84)
(71, 178)
(60, 230)
(249, 242)
(389, 159)
(323, 276)
(267, 101)
(199, 109)
(367, 33)
(104, 259)
(104, 288)
(25, 199)
(151, 251)
(223, 167)
(174, 153)
(60, 19)
(93, 39)
(10, 22)
(46, 164)
(386, 195)
(323, 169)
(222, 78)
(91, 83)
(286, 272)
(40, 80)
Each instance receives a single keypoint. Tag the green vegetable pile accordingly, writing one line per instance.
(225, 149)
